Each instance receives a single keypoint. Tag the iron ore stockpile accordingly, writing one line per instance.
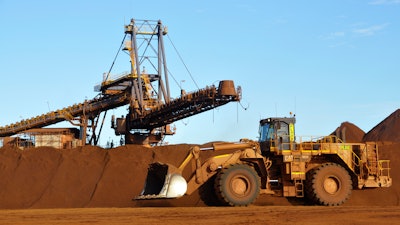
(94, 177)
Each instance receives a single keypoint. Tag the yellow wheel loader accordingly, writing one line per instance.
(322, 169)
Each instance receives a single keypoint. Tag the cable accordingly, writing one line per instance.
(180, 57)
(245, 108)
(115, 58)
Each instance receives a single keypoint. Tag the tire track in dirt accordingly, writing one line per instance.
(59, 161)
(106, 160)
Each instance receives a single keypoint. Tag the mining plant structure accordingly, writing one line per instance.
(323, 170)
(145, 89)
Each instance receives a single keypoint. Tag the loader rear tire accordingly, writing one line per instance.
(329, 184)
(237, 185)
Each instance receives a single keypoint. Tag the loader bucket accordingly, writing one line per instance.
(163, 181)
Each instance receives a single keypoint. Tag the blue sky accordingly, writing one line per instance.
(326, 61)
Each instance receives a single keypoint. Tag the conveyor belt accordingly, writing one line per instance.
(185, 106)
(160, 115)
(93, 106)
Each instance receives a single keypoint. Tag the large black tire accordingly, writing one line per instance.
(207, 193)
(237, 185)
(329, 184)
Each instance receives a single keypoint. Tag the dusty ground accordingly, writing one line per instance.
(206, 215)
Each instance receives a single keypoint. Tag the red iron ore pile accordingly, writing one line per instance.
(94, 177)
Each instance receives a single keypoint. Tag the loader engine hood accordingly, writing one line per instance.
(163, 181)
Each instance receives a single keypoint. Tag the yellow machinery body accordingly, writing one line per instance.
(324, 170)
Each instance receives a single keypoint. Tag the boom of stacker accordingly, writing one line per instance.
(324, 170)
(151, 107)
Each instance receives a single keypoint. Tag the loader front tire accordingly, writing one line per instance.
(329, 184)
(207, 192)
(237, 185)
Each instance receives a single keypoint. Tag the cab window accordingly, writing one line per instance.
(266, 132)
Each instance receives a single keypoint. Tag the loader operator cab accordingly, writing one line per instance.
(276, 134)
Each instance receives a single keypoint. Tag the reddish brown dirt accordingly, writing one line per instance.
(90, 177)
(387, 130)
(277, 215)
(349, 133)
